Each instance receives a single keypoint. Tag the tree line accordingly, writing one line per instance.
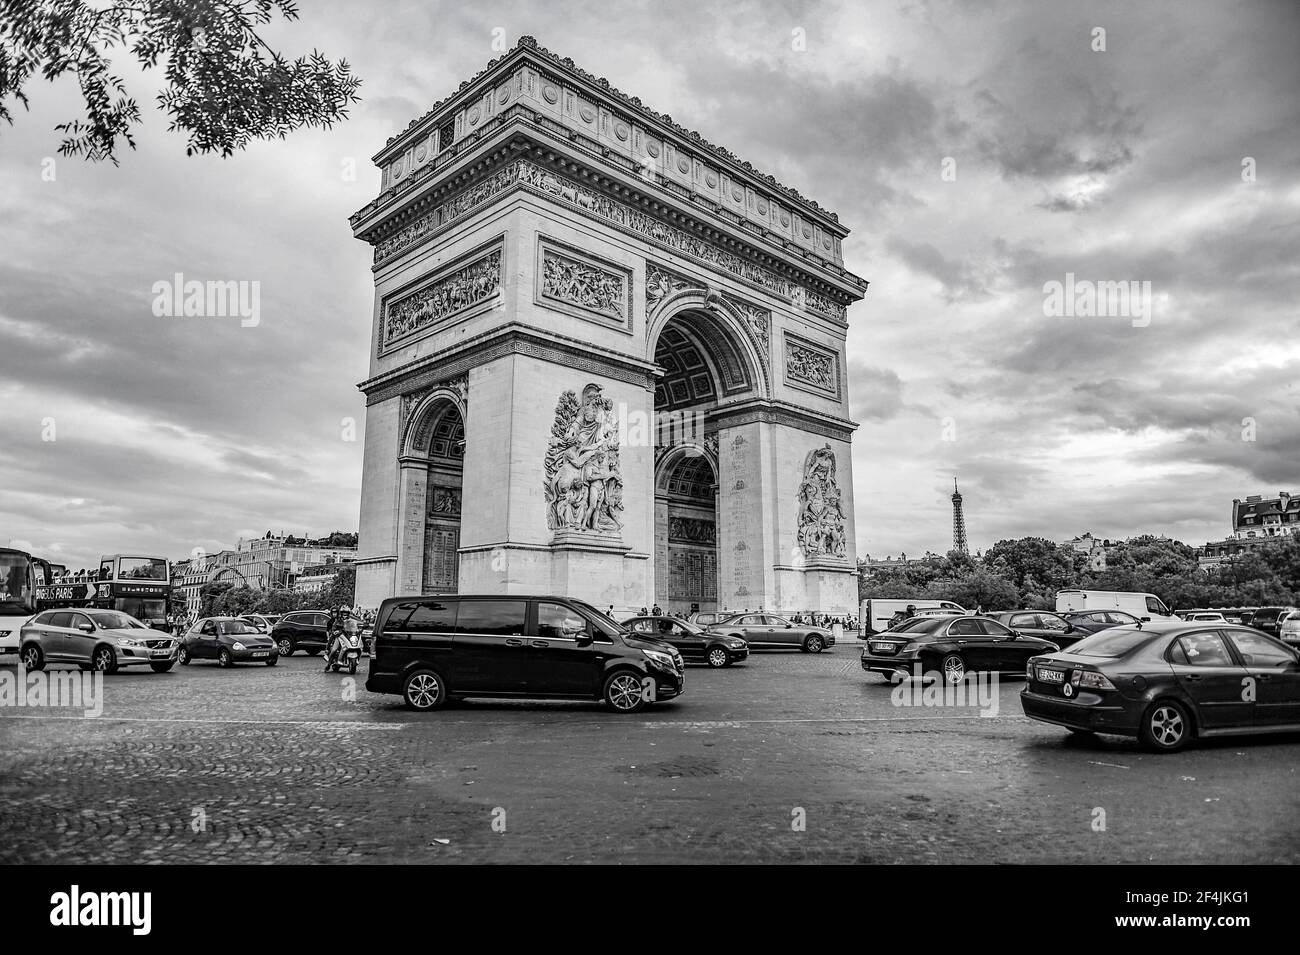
(1027, 572)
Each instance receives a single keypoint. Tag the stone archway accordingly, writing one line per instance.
(707, 363)
(432, 464)
(686, 529)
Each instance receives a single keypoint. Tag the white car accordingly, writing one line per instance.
(1204, 616)
(1288, 630)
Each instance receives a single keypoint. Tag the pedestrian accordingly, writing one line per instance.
(657, 610)
(643, 611)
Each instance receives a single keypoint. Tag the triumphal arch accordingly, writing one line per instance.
(608, 360)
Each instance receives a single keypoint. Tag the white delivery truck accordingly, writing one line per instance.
(1142, 606)
(875, 612)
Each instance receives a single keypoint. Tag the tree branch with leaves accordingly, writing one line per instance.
(224, 86)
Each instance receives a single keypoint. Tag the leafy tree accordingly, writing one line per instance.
(340, 539)
(341, 591)
(223, 85)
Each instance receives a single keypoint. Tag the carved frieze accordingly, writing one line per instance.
(811, 367)
(661, 283)
(692, 530)
(583, 484)
(573, 282)
(444, 502)
(821, 512)
(759, 323)
(526, 174)
(441, 299)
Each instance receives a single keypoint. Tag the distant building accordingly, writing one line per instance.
(1255, 522)
(959, 543)
(1257, 517)
(1095, 550)
(319, 576)
(263, 563)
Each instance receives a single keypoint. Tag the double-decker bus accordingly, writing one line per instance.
(20, 576)
(135, 585)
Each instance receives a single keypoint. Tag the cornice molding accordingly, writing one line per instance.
(512, 339)
(527, 49)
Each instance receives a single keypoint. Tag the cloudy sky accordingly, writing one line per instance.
(977, 150)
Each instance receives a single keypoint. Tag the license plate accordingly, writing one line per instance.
(161, 653)
(1051, 676)
(261, 653)
(883, 647)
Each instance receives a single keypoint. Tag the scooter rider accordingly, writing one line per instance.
(333, 637)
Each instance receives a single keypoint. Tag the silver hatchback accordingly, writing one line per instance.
(94, 640)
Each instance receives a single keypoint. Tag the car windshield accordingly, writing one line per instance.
(1115, 642)
(921, 625)
(234, 627)
(15, 583)
(141, 568)
(111, 620)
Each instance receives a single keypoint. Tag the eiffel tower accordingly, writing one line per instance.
(958, 522)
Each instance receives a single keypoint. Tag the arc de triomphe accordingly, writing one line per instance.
(608, 360)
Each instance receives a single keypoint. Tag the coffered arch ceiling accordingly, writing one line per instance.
(702, 363)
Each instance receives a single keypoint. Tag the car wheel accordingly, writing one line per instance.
(424, 690)
(184, 656)
(104, 660)
(286, 646)
(623, 692)
(954, 669)
(272, 660)
(162, 667)
(1166, 726)
(352, 667)
(225, 659)
(32, 657)
(814, 644)
(718, 657)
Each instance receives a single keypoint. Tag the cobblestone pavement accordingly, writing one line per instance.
(288, 764)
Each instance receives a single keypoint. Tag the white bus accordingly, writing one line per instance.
(1143, 606)
(20, 575)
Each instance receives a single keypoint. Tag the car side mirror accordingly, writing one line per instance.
(1146, 619)
(789, 626)
(86, 627)
(1069, 628)
(583, 639)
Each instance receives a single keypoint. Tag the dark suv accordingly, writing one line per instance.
(1269, 619)
(431, 649)
(301, 630)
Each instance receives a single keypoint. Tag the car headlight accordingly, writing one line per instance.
(659, 657)
(1029, 670)
(737, 644)
(237, 645)
(128, 642)
(1091, 680)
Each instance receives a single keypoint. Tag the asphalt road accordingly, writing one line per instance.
(786, 758)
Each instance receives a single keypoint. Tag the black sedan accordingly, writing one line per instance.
(228, 640)
(1168, 683)
(1094, 621)
(1040, 623)
(693, 642)
(953, 646)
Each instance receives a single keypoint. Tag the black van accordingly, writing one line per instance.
(434, 648)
